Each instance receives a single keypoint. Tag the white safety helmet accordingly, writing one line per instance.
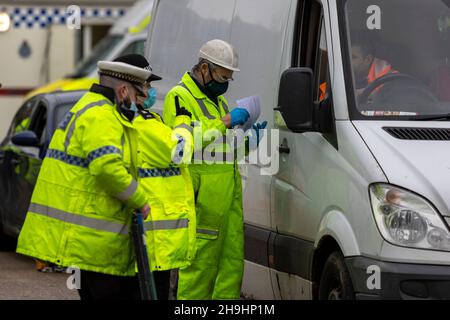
(220, 53)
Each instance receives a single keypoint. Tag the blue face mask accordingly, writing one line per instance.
(151, 98)
(133, 107)
(216, 88)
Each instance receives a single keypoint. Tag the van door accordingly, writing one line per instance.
(297, 187)
(258, 36)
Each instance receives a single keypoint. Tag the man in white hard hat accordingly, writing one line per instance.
(217, 270)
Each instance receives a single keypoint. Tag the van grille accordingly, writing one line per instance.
(441, 134)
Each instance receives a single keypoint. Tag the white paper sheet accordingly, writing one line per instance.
(252, 105)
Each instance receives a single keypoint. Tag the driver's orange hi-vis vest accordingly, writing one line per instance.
(378, 69)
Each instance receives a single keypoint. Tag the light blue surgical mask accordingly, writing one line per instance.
(151, 98)
(133, 107)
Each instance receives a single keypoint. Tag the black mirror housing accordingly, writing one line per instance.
(295, 99)
(25, 139)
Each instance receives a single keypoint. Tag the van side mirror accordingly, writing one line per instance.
(25, 139)
(295, 99)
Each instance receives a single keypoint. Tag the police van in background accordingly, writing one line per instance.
(360, 205)
(40, 50)
(127, 35)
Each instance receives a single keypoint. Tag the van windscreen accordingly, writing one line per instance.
(399, 55)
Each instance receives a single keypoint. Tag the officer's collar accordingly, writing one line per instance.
(107, 92)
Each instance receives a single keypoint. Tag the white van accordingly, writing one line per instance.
(359, 91)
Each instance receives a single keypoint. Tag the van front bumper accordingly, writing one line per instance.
(374, 279)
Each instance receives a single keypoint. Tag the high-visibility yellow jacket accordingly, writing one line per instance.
(170, 227)
(212, 142)
(80, 211)
(217, 270)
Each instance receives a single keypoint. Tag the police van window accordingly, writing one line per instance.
(399, 54)
(135, 47)
(100, 51)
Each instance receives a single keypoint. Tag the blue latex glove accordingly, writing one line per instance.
(256, 135)
(239, 116)
(259, 128)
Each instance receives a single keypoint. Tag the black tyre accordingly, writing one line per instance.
(7, 243)
(335, 282)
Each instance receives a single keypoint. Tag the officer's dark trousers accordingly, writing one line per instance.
(99, 286)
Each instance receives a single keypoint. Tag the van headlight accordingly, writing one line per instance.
(407, 219)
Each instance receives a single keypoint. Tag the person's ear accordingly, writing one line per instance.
(122, 93)
(204, 69)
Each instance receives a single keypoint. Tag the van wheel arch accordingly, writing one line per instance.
(327, 246)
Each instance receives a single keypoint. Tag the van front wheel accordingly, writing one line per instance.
(335, 282)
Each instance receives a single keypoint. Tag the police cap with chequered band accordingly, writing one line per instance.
(132, 68)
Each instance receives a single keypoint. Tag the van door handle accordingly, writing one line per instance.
(284, 149)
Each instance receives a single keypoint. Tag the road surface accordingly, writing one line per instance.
(19, 279)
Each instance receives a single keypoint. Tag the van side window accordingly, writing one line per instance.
(311, 47)
(312, 52)
(322, 74)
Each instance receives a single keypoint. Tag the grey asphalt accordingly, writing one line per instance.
(20, 280)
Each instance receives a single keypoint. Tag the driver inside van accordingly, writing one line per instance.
(366, 67)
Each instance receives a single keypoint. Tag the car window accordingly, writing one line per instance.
(38, 120)
(21, 120)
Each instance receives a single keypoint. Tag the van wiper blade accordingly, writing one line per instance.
(434, 117)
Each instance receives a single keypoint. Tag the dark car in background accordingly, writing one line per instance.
(22, 152)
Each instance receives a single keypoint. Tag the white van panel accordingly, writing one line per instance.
(252, 286)
(398, 254)
(258, 35)
(336, 225)
(292, 287)
(418, 165)
(258, 188)
(179, 30)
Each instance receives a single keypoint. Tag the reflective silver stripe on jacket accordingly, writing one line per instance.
(166, 224)
(69, 133)
(207, 231)
(76, 219)
(225, 107)
(200, 103)
(185, 126)
(227, 157)
(128, 192)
